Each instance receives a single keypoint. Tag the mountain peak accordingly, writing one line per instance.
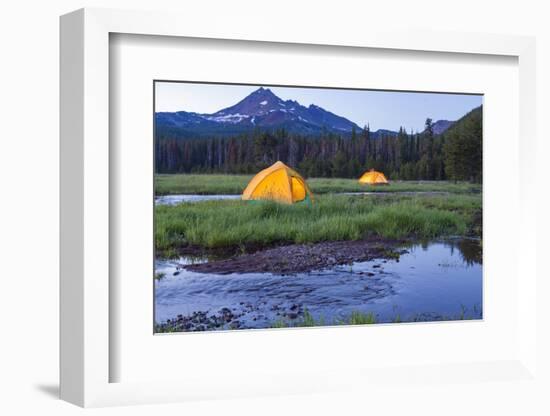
(259, 102)
(262, 108)
(264, 92)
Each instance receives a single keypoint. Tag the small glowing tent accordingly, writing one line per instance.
(278, 183)
(373, 177)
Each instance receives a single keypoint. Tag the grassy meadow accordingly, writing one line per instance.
(235, 184)
(232, 224)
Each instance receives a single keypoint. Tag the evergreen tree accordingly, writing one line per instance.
(456, 154)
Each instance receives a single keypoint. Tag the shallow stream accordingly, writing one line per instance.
(433, 281)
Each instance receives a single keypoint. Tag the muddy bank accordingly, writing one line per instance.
(300, 258)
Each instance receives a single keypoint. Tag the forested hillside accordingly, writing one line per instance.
(455, 154)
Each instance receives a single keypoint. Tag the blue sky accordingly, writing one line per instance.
(381, 109)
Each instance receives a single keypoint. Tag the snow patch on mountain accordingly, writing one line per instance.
(229, 118)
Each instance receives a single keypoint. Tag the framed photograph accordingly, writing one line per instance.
(253, 227)
(274, 214)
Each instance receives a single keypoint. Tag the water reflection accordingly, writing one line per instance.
(469, 249)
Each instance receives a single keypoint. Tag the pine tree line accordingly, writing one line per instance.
(456, 154)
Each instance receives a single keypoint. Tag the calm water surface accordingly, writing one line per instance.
(178, 199)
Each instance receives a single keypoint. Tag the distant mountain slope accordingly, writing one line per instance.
(440, 126)
(261, 109)
(264, 110)
(474, 116)
(383, 132)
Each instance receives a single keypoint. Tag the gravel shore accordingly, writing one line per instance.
(300, 258)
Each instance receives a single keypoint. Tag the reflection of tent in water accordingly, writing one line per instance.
(373, 177)
(278, 183)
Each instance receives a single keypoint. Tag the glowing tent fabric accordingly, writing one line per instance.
(373, 177)
(278, 183)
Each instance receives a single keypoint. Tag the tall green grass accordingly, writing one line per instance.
(224, 224)
(307, 320)
(361, 318)
(235, 184)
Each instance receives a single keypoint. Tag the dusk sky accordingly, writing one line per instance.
(381, 109)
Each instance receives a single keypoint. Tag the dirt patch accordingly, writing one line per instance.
(223, 253)
(300, 258)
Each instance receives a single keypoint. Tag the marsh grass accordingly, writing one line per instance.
(358, 318)
(369, 318)
(307, 320)
(235, 184)
(240, 224)
(328, 185)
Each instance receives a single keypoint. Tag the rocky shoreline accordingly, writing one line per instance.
(301, 258)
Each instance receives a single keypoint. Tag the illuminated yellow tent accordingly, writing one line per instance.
(278, 183)
(373, 177)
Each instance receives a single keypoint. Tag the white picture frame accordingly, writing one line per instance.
(86, 356)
